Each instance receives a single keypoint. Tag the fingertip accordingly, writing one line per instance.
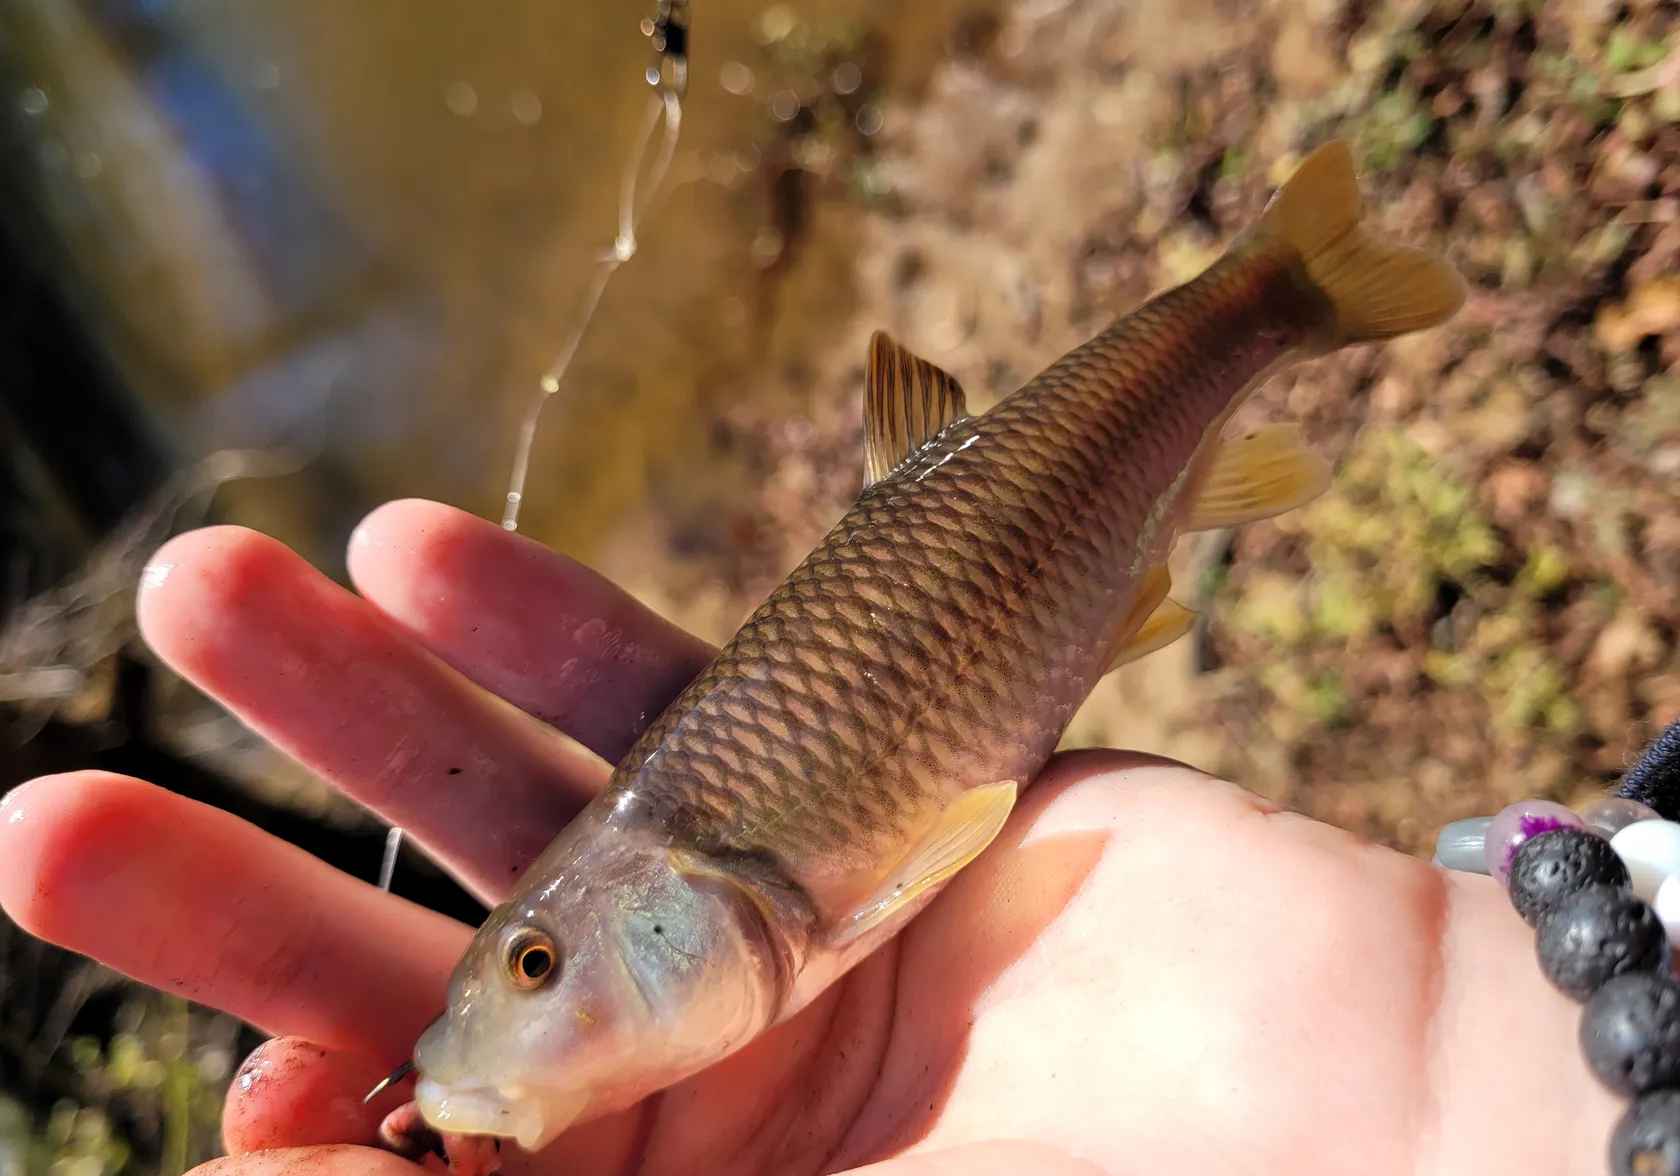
(199, 578)
(405, 546)
(403, 524)
(414, 541)
(47, 827)
(293, 1093)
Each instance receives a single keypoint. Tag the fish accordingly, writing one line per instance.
(868, 730)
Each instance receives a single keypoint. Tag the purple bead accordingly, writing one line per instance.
(1518, 822)
(1609, 815)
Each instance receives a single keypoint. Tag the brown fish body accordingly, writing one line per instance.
(865, 733)
(947, 628)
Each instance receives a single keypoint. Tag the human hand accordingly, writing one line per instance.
(1148, 971)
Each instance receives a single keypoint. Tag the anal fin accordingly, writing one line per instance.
(1256, 476)
(966, 826)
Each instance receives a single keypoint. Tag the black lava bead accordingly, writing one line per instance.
(1647, 1140)
(1548, 868)
(1630, 1032)
(1596, 933)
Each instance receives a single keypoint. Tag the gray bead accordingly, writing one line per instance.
(1461, 845)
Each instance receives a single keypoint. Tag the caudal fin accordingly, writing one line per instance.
(1378, 291)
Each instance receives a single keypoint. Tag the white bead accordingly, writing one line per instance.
(1667, 906)
(1651, 852)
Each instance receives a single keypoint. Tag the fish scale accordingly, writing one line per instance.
(1010, 542)
(867, 732)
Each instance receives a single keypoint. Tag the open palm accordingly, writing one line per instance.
(1149, 971)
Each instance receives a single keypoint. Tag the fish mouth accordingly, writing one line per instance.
(479, 1109)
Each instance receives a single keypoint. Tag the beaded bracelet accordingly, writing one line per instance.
(1601, 888)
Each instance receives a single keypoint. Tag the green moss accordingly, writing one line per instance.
(1393, 126)
(1327, 698)
(1544, 571)
(1620, 49)
(1397, 526)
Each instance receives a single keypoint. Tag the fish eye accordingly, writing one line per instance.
(531, 958)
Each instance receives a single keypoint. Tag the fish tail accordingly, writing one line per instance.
(1375, 291)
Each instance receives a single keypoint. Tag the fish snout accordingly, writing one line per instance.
(528, 1117)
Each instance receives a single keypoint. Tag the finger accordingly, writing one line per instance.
(539, 629)
(186, 898)
(293, 1093)
(319, 672)
(340, 1160)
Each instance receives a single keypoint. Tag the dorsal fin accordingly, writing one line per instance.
(906, 401)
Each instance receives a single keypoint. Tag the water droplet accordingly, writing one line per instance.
(460, 98)
(776, 23)
(748, 157)
(766, 245)
(735, 77)
(265, 75)
(784, 105)
(526, 107)
(89, 165)
(550, 384)
(33, 100)
(870, 120)
(847, 77)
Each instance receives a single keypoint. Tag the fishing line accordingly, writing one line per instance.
(388, 866)
(668, 31)
(669, 77)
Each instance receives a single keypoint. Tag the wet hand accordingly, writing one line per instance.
(1149, 971)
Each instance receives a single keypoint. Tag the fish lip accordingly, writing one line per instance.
(475, 1108)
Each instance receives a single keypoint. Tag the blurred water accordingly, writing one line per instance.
(362, 229)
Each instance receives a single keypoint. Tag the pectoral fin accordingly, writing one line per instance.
(1257, 476)
(906, 402)
(966, 827)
